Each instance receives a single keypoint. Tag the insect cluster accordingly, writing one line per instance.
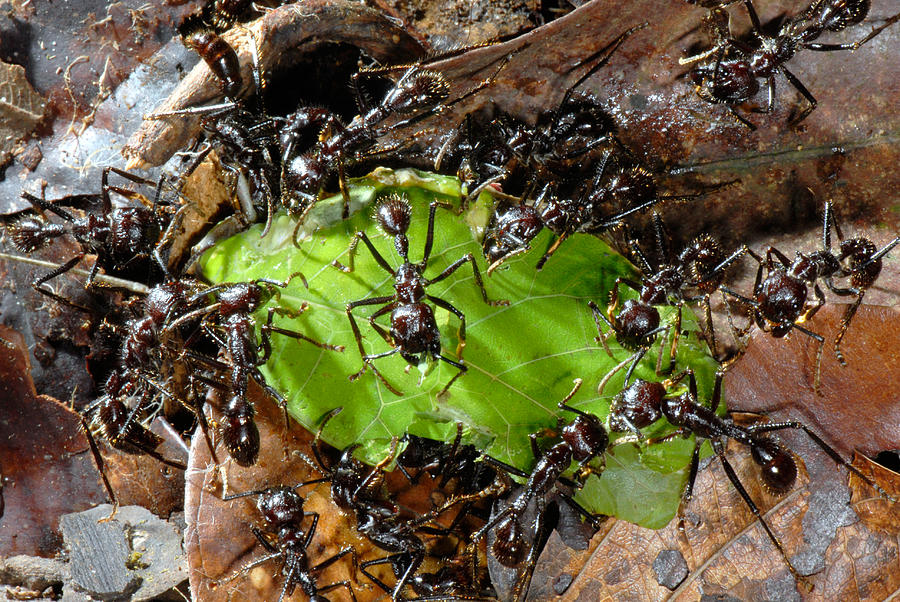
(184, 338)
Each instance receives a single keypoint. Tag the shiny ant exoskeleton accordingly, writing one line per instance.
(732, 76)
(450, 464)
(234, 303)
(582, 440)
(218, 54)
(121, 237)
(779, 301)
(360, 491)
(777, 464)
(414, 332)
(284, 537)
(457, 579)
(417, 94)
(694, 274)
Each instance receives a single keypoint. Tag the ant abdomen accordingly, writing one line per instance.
(510, 547)
(239, 431)
(393, 215)
(219, 56)
(779, 469)
(30, 233)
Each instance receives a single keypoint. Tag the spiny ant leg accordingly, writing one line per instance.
(735, 481)
(475, 272)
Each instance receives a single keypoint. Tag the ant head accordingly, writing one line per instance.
(280, 506)
(30, 233)
(421, 90)
(162, 299)
(638, 404)
(243, 297)
(836, 16)
(699, 260)
(586, 437)
(509, 546)
(585, 118)
(393, 214)
(779, 470)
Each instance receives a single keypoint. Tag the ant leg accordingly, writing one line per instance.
(351, 252)
(475, 272)
(855, 45)
(688, 492)
(101, 466)
(804, 92)
(356, 334)
(778, 426)
(562, 237)
(365, 565)
(845, 324)
(342, 183)
(599, 315)
(735, 481)
(821, 341)
(458, 365)
(37, 283)
(462, 322)
(265, 330)
(637, 357)
(429, 236)
(610, 374)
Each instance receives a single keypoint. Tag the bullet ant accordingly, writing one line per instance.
(218, 54)
(418, 93)
(583, 440)
(120, 237)
(283, 537)
(777, 464)
(361, 491)
(234, 303)
(414, 332)
(733, 77)
(457, 579)
(699, 268)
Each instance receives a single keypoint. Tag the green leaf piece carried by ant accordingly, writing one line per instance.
(521, 358)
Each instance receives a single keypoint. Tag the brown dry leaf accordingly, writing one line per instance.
(21, 108)
(45, 461)
(876, 512)
(847, 555)
(218, 540)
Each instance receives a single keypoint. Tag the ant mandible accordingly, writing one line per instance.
(414, 332)
(733, 77)
(282, 511)
(777, 464)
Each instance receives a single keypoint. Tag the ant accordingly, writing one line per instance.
(700, 267)
(218, 54)
(583, 439)
(445, 462)
(282, 511)
(417, 94)
(360, 491)
(733, 77)
(414, 331)
(119, 236)
(456, 579)
(234, 304)
(777, 464)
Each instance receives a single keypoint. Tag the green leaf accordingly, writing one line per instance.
(521, 359)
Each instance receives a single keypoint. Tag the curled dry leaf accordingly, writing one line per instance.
(21, 108)
(847, 551)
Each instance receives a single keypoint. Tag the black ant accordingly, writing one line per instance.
(284, 537)
(414, 331)
(699, 268)
(234, 304)
(218, 54)
(361, 491)
(121, 237)
(457, 579)
(777, 464)
(448, 463)
(583, 440)
(733, 77)
(417, 94)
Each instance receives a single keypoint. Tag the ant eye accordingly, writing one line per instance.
(779, 470)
